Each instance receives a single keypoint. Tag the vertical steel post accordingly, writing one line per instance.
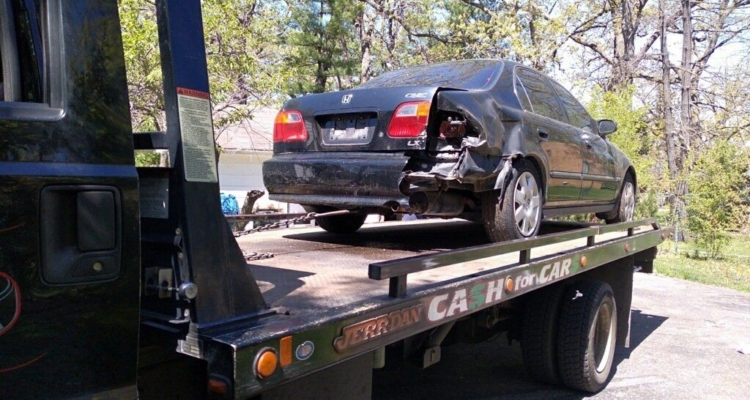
(214, 262)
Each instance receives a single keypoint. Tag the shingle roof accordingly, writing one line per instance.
(250, 135)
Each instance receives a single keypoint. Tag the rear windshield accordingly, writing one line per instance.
(467, 74)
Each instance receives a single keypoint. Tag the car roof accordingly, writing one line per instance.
(443, 74)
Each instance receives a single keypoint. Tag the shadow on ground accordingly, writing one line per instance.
(641, 327)
(277, 283)
(490, 370)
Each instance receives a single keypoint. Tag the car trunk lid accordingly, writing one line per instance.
(359, 119)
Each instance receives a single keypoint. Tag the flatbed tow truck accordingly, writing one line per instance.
(126, 282)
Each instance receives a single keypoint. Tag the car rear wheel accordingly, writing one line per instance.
(346, 223)
(519, 213)
(625, 203)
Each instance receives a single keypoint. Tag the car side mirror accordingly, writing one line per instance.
(607, 126)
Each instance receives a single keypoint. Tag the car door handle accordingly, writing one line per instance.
(587, 143)
(544, 135)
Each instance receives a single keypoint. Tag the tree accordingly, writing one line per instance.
(322, 46)
(398, 33)
(140, 42)
(242, 51)
(705, 27)
(528, 31)
(666, 102)
(610, 40)
(632, 137)
(245, 60)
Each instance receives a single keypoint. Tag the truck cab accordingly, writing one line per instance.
(86, 258)
(69, 229)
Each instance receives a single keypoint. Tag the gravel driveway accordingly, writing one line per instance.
(687, 342)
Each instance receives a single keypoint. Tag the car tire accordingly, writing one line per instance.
(625, 210)
(539, 334)
(340, 224)
(519, 213)
(587, 335)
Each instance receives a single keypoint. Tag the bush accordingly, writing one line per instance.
(718, 184)
(147, 159)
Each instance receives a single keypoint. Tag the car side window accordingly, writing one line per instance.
(523, 97)
(577, 115)
(541, 95)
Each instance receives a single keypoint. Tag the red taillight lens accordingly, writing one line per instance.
(409, 120)
(289, 127)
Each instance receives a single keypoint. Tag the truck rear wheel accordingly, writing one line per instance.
(539, 334)
(346, 223)
(587, 335)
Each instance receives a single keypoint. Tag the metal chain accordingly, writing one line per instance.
(285, 223)
(253, 256)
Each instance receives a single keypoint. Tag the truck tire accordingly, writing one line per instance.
(539, 334)
(518, 214)
(625, 210)
(347, 223)
(587, 335)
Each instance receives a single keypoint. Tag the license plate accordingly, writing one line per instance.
(354, 129)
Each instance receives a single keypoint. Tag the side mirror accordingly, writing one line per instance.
(607, 126)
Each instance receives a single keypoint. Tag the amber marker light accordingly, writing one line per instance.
(285, 349)
(509, 284)
(265, 363)
(584, 261)
(627, 247)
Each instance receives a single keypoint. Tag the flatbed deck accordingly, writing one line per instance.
(346, 295)
(313, 270)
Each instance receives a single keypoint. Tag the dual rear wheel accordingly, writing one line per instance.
(569, 335)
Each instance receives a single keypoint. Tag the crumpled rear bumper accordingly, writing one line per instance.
(337, 179)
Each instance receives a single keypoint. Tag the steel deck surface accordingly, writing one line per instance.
(313, 270)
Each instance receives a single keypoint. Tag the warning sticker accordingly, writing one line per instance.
(198, 152)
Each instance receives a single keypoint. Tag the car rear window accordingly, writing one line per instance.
(467, 74)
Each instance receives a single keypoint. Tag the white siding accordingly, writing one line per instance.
(242, 172)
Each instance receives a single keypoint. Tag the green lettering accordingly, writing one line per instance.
(477, 296)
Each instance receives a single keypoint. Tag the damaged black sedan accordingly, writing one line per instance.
(485, 140)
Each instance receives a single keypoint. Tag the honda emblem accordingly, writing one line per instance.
(347, 98)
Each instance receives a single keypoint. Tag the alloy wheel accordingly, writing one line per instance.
(627, 202)
(526, 204)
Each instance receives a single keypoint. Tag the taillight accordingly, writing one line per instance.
(409, 120)
(289, 127)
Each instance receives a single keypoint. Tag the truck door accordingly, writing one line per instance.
(69, 231)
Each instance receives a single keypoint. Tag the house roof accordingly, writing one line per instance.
(250, 135)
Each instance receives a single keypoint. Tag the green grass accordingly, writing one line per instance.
(731, 270)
